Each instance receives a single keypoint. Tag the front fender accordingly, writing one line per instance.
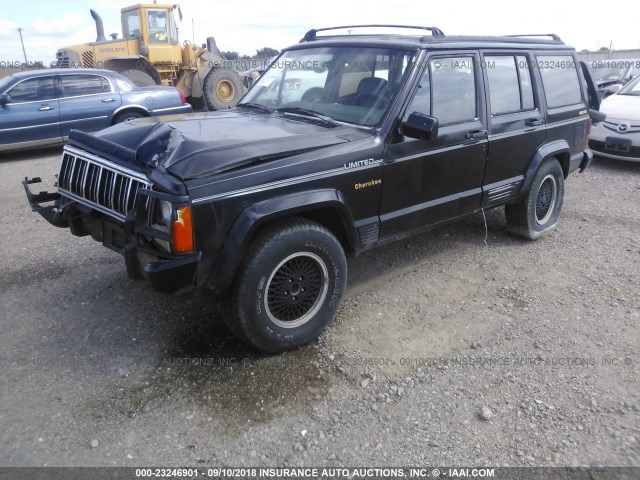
(258, 214)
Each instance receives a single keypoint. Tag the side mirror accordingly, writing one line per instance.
(4, 99)
(420, 126)
(596, 116)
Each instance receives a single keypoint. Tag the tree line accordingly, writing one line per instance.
(265, 52)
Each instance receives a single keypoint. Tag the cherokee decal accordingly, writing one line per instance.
(370, 183)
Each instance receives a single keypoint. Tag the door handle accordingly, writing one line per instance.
(108, 100)
(533, 122)
(44, 108)
(476, 134)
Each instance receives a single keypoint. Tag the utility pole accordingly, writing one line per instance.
(23, 50)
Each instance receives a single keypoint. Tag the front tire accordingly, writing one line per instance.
(539, 211)
(222, 89)
(289, 286)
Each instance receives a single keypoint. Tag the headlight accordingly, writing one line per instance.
(162, 214)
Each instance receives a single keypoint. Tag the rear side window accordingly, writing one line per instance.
(33, 90)
(560, 80)
(526, 89)
(77, 85)
(509, 84)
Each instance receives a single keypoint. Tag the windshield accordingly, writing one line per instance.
(609, 74)
(631, 88)
(5, 82)
(131, 24)
(613, 70)
(347, 84)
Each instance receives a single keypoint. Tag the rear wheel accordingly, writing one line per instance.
(539, 211)
(222, 89)
(289, 286)
(127, 117)
(138, 77)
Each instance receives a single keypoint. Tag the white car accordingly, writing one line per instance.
(619, 135)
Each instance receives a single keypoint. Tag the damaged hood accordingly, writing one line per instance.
(205, 144)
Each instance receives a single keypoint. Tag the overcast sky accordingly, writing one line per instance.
(247, 25)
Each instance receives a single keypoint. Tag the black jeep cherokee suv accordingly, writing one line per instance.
(345, 143)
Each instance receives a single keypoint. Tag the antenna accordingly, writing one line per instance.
(23, 50)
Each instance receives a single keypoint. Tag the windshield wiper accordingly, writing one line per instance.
(255, 106)
(307, 113)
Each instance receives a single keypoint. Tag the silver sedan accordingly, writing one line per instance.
(618, 136)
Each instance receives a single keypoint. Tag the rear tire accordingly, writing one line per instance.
(127, 117)
(222, 89)
(289, 286)
(138, 77)
(539, 211)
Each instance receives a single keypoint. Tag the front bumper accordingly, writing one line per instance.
(607, 142)
(166, 273)
(599, 148)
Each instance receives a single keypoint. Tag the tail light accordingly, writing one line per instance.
(182, 97)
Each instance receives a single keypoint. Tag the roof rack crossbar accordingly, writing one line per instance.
(552, 35)
(311, 34)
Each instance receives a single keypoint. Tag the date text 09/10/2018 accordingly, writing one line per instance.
(313, 472)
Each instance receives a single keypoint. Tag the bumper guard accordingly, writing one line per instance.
(51, 213)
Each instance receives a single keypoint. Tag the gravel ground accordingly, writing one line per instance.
(446, 350)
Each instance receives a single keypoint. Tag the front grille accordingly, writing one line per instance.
(108, 188)
(63, 62)
(628, 128)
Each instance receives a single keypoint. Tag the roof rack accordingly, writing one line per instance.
(553, 36)
(311, 34)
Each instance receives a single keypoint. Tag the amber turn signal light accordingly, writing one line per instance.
(182, 231)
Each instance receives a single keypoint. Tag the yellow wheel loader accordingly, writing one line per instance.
(150, 53)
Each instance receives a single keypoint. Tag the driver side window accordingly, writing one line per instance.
(447, 91)
(33, 90)
(421, 103)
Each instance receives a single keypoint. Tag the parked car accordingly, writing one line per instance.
(610, 75)
(41, 107)
(618, 136)
(400, 133)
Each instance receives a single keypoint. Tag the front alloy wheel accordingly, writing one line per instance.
(296, 290)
